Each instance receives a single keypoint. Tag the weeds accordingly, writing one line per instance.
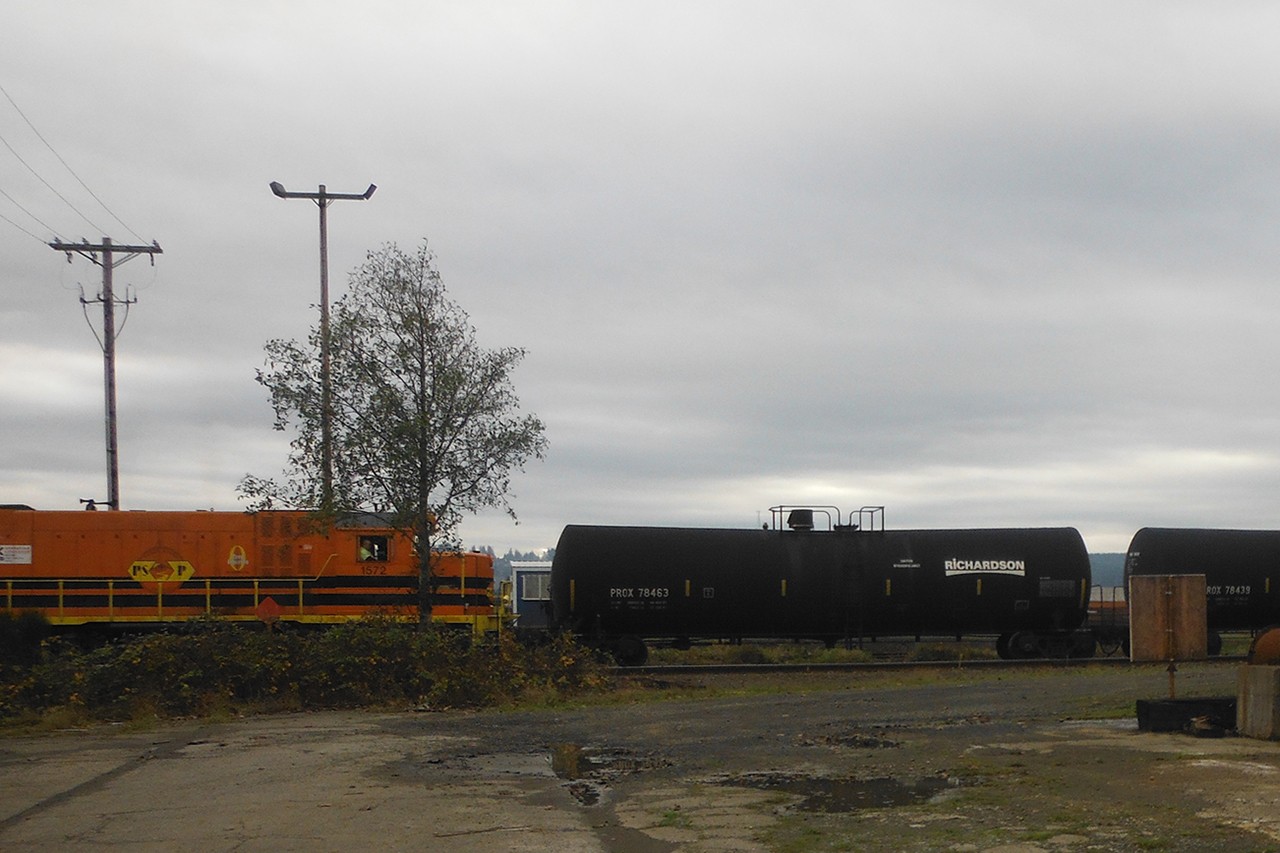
(213, 668)
(752, 653)
(20, 637)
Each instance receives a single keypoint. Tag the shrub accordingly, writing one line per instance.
(213, 666)
(20, 637)
(949, 652)
(747, 654)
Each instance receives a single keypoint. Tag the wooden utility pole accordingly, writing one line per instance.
(323, 199)
(108, 262)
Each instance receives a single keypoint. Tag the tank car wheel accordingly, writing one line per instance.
(1083, 644)
(1113, 641)
(1002, 647)
(1215, 644)
(630, 651)
(1025, 644)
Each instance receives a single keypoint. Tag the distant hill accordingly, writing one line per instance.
(1108, 569)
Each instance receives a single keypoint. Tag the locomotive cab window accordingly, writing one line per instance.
(372, 549)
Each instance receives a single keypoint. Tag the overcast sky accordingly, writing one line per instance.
(984, 264)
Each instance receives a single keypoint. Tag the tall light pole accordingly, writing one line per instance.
(323, 198)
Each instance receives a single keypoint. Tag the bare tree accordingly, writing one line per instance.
(425, 426)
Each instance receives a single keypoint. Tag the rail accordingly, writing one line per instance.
(801, 668)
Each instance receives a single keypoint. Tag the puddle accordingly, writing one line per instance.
(589, 770)
(586, 793)
(567, 761)
(570, 762)
(819, 794)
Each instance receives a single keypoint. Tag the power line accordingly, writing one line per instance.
(28, 213)
(41, 179)
(19, 227)
(66, 166)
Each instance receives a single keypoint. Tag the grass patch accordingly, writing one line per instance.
(756, 653)
(812, 652)
(951, 652)
(1236, 643)
(1105, 709)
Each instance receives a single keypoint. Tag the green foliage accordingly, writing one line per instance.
(214, 667)
(749, 653)
(20, 637)
(422, 423)
(951, 651)
(423, 418)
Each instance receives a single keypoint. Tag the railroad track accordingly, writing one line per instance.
(753, 668)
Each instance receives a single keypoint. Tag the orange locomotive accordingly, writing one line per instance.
(135, 568)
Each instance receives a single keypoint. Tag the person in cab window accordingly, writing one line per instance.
(366, 550)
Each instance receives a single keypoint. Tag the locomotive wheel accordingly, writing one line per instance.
(630, 651)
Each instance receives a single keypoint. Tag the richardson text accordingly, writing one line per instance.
(996, 567)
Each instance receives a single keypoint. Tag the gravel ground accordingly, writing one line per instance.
(952, 759)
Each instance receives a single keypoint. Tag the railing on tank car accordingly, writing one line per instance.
(805, 516)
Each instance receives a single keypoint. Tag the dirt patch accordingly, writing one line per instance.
(1026, 760)
(846, 794)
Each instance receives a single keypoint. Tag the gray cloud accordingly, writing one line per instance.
(980, 264)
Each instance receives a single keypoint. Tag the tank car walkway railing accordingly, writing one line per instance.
(803, 517)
